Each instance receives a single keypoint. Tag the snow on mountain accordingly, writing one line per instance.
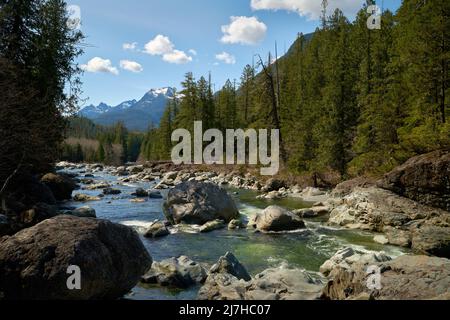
(136, 115)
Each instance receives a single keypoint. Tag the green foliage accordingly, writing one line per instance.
(38, 82)
(110, 145)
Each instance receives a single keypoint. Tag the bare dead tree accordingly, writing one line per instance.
(274, 115)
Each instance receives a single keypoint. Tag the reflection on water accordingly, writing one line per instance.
(307, 249)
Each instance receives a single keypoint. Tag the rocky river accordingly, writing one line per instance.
(305, 249)
(158, 231)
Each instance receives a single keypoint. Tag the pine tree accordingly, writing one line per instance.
(422, 46)
(37, 54)
(189, 110)
(245, 99)
(227, 107)
(339, 96)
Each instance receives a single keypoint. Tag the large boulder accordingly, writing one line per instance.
(179, 272)
(61, 185)
(425, 178)
(276, 219)
(404, 278)
(405, 222)
(35, 261)
(198, 203)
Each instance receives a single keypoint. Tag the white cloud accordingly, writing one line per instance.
(131, 66)
(307, 8)
(97, 64)
(130, 46)
(177, 57)
(193, 52)
(226, 57)
(244, 30)
(162, 46)
(159, 45)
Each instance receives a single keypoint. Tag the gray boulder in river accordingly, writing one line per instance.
(276, 219)
(179, 272)
(34, 262)
(231, 265)
(198, 203)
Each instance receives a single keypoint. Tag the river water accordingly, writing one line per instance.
(306, 249)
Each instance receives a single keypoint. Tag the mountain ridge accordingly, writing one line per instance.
(137, 115)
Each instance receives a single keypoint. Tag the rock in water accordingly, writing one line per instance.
(34, 262)
(228, 280)
(60, 185)
(179, 272)
(236, 224)
(140, 193)
(85, 198)
(198, 203)
(211, 226)
(156, 230)
(275, 218)
(83, 212)
(111, 191)
(425, 178)
(229, 264)
(155, 195)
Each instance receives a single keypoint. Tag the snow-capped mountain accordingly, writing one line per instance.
(136, 115)
(94, 111)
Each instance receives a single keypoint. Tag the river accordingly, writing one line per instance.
(306, 249)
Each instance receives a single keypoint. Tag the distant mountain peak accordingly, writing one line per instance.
(136, 114)
(165, 91)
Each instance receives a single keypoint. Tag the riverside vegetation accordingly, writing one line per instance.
(349, 102)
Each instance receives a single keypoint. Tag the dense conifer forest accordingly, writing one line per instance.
(348, 100)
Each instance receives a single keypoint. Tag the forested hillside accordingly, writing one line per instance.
(349, 100)
(88, 142)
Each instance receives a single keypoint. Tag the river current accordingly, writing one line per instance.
(306, 249)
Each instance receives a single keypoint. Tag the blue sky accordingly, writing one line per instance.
(194, 35)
